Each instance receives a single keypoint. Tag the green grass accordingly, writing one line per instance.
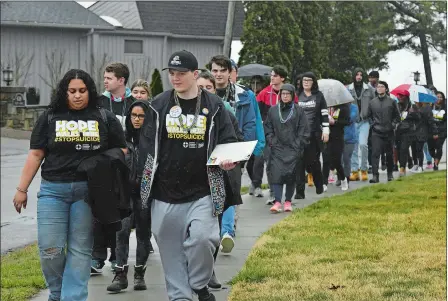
(381, 242)
(21, 275)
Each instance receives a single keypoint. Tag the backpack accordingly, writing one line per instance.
(102, 112)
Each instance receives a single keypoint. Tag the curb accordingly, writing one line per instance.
(15, 134)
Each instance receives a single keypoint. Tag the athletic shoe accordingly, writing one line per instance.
(96, 267)
(251, 190)
(419, 170)
(338, 183)
(344, 185)
(277, 208)
(414, 169)
(429, 166)
(270, 201)
(325, 188)
(227, 243)
(331, 178)
(287, 206)
(258, 192)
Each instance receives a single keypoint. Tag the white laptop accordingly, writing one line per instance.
(235, 152)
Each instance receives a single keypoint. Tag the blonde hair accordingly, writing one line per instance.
(142, 83)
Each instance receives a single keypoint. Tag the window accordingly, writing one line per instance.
(133, 46)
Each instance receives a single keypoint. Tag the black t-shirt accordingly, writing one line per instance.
(181, 176)
(71, 137)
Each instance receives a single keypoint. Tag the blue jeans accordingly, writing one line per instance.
(363, 137)
(427, 154)
(65, 239)
(228, 222)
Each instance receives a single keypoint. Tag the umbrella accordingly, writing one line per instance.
(254, 70)
(335, 92)
(417, 93)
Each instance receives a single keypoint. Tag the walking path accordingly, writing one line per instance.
(254, 219)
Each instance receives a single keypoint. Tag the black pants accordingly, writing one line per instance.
(141, 217)
(435, 146)
(255, 170)
(101, 241)
(404, 141)
(369, 156)
(215, 255)
(381, 145)
(417, 152)
(332, 156)
(311, 162)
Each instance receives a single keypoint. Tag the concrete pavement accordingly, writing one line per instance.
(254, 219)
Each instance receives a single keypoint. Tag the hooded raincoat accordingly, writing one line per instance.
(287, 132)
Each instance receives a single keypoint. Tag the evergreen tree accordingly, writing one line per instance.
(156, 83)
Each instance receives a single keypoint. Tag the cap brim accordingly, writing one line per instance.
(177, 69)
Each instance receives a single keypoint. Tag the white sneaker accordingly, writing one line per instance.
(258, 192)
(270, 201)
(227, 243)
(251, 190)
(414, 168)
(325, 188)
(419, 170)
(344, 185)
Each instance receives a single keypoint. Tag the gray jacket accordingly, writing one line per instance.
(367, 95)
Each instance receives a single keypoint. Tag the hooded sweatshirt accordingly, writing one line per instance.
(119, 106)
(362, 93)
(132, 136)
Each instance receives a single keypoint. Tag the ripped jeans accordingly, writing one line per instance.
(65, 239)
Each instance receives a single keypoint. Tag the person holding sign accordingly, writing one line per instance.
(287, 133)
(180, 131)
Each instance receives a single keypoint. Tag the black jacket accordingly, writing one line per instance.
(221, 131)
(341, 116)
(426, 127)
(409, 118)
(383, 115)
(109, 191)
(439, 115)
(287, 141)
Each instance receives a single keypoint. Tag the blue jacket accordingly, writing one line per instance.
(350, 131)
(258, 151)
(246, 113)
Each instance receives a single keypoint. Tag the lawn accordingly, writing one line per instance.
(381, 242)
(21, 276)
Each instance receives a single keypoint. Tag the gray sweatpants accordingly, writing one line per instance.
(187, 236)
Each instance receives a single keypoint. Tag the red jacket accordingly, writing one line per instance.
(267, 98)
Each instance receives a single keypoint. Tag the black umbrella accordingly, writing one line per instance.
(254, 70)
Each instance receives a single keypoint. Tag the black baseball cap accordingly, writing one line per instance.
(182, 61)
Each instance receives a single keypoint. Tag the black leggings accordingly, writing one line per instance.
(332, 156)
(311, 160)
(417, 152)
(404, 141)
(215, 255)
(435, 146)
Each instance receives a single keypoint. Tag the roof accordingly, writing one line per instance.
(125, 12)
(197, 18)
(46, 13)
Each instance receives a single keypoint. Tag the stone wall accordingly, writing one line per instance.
(17, 116)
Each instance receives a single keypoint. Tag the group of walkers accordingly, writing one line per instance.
(125, 160)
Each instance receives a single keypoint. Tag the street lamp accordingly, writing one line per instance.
(416, 77)
(7, 75)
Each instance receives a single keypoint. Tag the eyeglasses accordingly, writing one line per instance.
(139, 116)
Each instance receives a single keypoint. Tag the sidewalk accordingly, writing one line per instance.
(254, 219)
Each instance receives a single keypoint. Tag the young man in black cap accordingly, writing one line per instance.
(384, 116)
(181, 129)
(374, 77)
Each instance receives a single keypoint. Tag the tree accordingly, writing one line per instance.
(141, 68)
(97, 68)
(20, 64)
(156, 83)
(56, 65)
(420, 26)
(271, 35)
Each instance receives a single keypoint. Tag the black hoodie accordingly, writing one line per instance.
(132, 140)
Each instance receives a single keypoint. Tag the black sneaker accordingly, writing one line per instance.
(436, 167)
(375, 179)
(390, 177)
(395, 167)
(151, 248)
(96, 267)
(205, 295)
(338, 183)
(214, 282)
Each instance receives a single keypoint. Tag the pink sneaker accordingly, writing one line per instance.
(277, 208)
(331, 179)
(287, 206)
(429, 166)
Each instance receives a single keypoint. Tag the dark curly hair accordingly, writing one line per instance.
(59, 102)
(443, 96)
(314, 87)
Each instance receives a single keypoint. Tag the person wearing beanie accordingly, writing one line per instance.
(384, 116)
(287, 133)
(363, 94)
(374, 77)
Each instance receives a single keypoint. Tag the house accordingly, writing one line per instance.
(41, 36)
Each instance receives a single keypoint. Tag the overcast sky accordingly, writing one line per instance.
(402, 64)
